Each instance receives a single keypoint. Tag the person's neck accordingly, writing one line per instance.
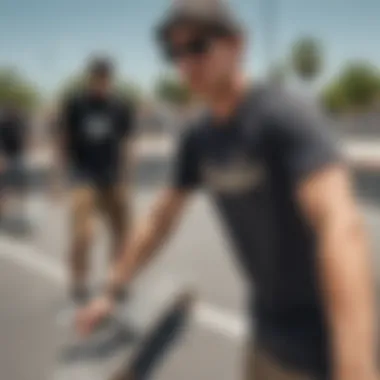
(224, 102)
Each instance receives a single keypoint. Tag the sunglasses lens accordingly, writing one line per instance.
(195, 47)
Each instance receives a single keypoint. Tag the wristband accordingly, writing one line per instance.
(117, 293)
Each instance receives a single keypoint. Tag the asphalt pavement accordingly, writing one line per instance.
(32, 278)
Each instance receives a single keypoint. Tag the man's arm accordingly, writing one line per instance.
(149, 236)
(345, 271)
(322, 187)
(185, 178)
(140, 248)
(165, 213)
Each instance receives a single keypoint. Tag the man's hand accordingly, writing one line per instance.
(92, 315)
(140, 250)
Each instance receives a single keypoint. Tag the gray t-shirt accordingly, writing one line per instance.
(251, 166)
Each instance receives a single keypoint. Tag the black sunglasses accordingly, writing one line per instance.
(193, 48)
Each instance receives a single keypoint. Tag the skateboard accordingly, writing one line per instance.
(126, 346)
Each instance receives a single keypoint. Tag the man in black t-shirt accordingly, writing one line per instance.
(285, 198)
(95, 130)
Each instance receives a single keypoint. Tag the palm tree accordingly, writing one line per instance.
(361, 83)
(15, 89)
(307, 58)
(333, 98)
(357, 87)
(170, 90)
(278, 73)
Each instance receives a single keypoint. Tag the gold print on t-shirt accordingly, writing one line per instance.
(237, 175)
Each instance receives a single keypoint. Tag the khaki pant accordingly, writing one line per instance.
(110, 202)
(86, 201)
(260, 366)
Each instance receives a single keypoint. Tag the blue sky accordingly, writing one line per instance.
(49, 39)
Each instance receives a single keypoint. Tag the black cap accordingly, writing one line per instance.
(100, 66)
(213, 15)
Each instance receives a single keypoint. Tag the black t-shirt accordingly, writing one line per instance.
(12, 134)
(251, 166)
(94, 129)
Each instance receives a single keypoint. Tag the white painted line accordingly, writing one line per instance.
(32, 260)
(220, 321)
(217, 320)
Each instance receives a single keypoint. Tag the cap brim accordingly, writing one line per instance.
(164, 29)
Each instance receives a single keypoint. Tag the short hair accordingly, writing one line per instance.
(100, 66)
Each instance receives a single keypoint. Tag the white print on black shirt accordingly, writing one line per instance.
(97, 127)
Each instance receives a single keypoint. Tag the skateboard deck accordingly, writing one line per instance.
(129, 346)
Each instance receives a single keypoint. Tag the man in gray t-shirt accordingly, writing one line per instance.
(283, 193)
